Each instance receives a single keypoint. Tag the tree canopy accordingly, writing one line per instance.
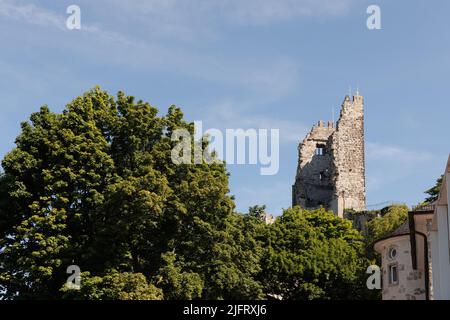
(433, 193)
(392, 218)
(95, 186)
(313, 255)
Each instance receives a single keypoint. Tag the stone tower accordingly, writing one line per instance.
(331, 166)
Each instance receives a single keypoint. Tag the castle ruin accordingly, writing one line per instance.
(331, 166)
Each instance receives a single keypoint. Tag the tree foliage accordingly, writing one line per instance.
(433, 193)
(313, 255)
(95, 186)
(392, 218)
(114, 285)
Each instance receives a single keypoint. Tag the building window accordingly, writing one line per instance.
(320, 150)
(392, 253)
(393, 274)
(321, 175)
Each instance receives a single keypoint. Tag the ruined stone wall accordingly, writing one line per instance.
(334, 178)
(348, 162)
(313, 186)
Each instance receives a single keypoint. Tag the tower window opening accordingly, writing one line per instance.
(392, 253)
(393, 274)
(321, 175)
(320, 150)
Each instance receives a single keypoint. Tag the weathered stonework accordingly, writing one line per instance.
(410, 282)
(331, 170)
(406, 270)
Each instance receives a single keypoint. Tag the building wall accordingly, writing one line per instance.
(440, 240)
(422, 225)
(314, 182)
(348, 152)
(410, 284)
(336, 179)
(440, 255)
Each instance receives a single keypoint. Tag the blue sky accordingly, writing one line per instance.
(248, 64)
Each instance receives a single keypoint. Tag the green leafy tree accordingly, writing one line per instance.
(313, 255)
(178, 285)
(239, 263)
(433, 193)
(96, 186)
(114, 286)
(392, 218)
(257, 211)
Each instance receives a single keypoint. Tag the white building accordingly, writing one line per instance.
(405, 259)
(440, 239)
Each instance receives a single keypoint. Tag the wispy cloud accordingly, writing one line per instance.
(31, 13)
(40, 16)
(275, 77)
(391, 153)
